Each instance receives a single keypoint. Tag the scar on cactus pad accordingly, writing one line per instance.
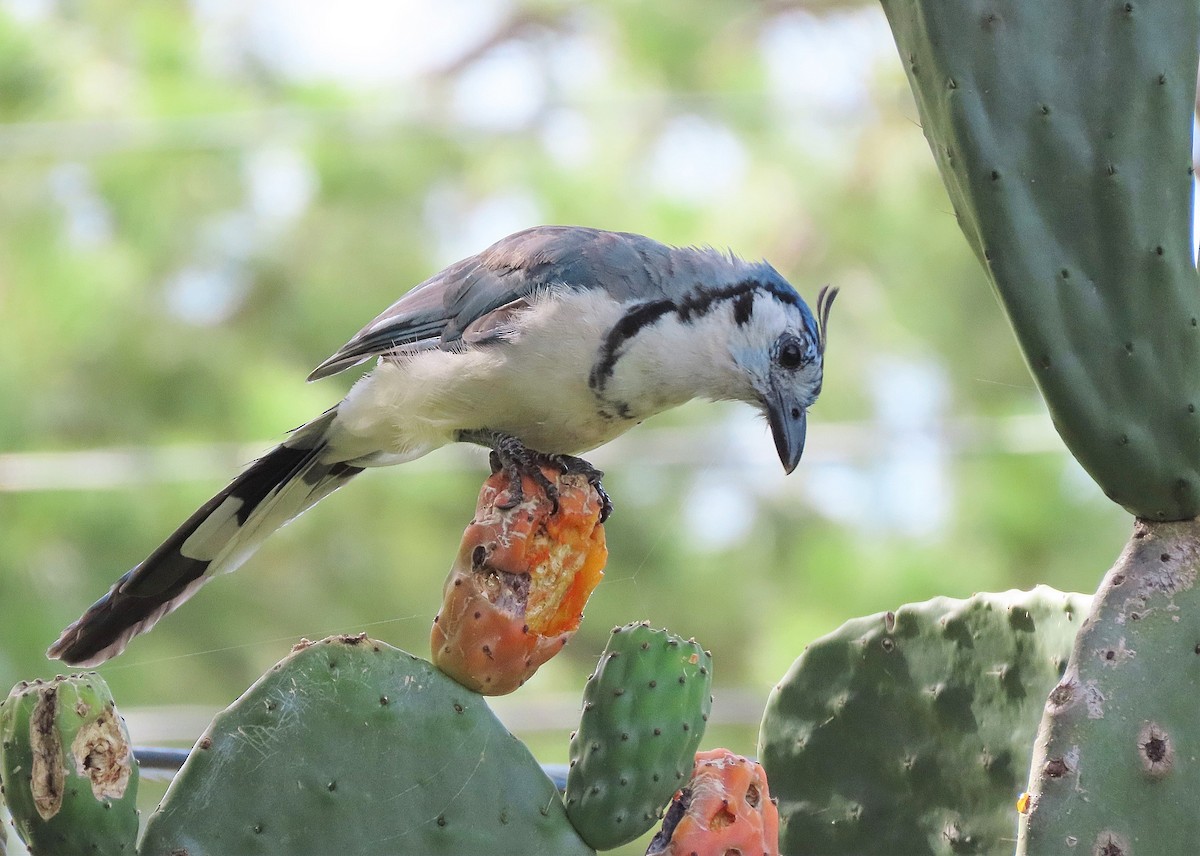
(523, 574)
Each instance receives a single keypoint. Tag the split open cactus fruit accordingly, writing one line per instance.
(523, 574)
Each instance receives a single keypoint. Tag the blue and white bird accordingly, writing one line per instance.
(549, 343)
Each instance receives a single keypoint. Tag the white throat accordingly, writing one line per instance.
(675, 361)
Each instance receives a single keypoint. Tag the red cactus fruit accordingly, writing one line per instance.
(518, 587)
(725, 810)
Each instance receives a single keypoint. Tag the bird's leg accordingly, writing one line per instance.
(516, 459)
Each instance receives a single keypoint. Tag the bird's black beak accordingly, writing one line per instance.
(789, 422)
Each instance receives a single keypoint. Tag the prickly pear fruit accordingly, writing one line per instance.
(644, 712)
(909, 731)
(68, 775)
(352, 746)
(1115, 765)
(518, 587)
(1069, 164)
(725, 808)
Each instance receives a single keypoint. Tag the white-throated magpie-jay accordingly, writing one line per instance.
(550, 342)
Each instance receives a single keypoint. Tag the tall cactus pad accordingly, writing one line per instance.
(352, 746)
(909, 731)
(68, 774)
(1116, 767)
(1063, 134)
(644, 712)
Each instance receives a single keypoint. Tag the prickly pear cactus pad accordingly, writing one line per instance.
(644, 711)
(350, 746)
(1115, 768)
(516, 592)
(1062, 131)
(909, 731)
(68, 774)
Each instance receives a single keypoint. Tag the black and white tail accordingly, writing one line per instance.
(222, 534)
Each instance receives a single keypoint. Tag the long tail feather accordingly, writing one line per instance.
(217, 538)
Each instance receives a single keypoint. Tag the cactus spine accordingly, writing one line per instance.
(644, 712)
(1063, 135)
(69, 777)
(909, 731)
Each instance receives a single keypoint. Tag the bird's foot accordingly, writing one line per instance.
(515, 459)
(572, 464)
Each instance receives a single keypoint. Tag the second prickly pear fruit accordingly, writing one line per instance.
(725, 808)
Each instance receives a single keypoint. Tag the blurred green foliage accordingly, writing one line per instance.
(150, 298)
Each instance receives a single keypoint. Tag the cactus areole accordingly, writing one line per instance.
(1063, 135)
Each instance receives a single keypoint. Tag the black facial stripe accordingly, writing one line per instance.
(743, 308)
(630, 324)
(695, 304)
(700, 301)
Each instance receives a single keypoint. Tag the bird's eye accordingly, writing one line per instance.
(791, 354)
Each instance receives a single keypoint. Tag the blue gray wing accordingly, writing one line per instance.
(436, 313)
